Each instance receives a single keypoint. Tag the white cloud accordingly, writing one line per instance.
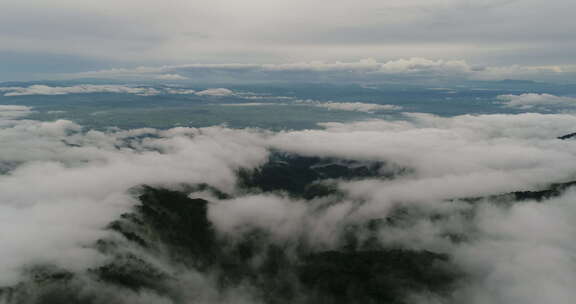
(515, 252)
(417, 65)
(180, 91)
(532, 100)
(367, 65)
(117, 89)
(65, 183)
(331, 105)
(442, 67)
(355, 106)
(78, 89)
(248, 104)
(9, 111)
(278, 215)
(464, 156)
(219, 92)
(171, 77)
(522, 255)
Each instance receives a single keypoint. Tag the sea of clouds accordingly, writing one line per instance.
(62, 183)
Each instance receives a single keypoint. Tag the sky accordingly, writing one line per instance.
(516, 253)
(40, 38)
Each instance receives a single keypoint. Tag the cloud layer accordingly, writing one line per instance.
(78, 89)
(361, 70)
(62, 184)
(538, 101)
(117, 89)
(356, 106)
(212, 92)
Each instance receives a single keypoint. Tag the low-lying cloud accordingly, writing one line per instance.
(78, 89)
(330, 105)
(212, 92)
(62, 184)
(116, 89)
(219, 92)
(538, 101)
(9, 111)
(249, 104)
(356, 106)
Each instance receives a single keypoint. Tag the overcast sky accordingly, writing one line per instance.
(63, 36)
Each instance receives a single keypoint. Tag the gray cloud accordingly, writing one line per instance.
(204, 31)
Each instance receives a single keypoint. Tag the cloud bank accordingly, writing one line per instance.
(78, 89)
(116, 89)
(330, 105)
(220, 92)
(212, 92)
(11, 112)
(538, 101)
(356, 106)
(61, 184)
(363, 70)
